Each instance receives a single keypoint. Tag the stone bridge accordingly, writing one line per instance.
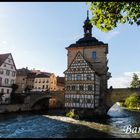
(45, 99)
(119, 94)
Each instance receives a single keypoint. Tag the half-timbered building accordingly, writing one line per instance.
(87, 72)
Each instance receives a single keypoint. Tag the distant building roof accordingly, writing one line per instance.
(31, 75)
(86, 41)
(23, 72)
(60, 80)
(43, 75)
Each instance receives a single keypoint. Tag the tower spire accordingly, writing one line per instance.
(87, 14)
(87, 27)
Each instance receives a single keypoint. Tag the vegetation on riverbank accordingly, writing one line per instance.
(132, 102)
(72, 114)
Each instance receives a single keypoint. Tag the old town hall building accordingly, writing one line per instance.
(87, 73)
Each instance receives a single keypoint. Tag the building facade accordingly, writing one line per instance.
(45, 82)
(7, 76)
(60, 83)
(30, 80)
(87, 71)
(21, 79)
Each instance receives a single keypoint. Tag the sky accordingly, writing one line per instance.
(37, 33)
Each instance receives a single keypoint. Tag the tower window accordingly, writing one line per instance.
(94, 55)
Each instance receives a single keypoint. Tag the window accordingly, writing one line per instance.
(73, 87)
(8, 72)
(89, 87)
(69, 77)
(7, 90)
(1, 71)
(76, 100)
(9, 61)
(78, 77)
(47, 81)
(88, 77)
(43, 86)
(46, 86)
(13, 73)
(68, 87)
(4, 65)
(6, 81)
(94, 55)
(0, 81)
(88, 100)
(12, 81)
(2, 90)
(81, 87)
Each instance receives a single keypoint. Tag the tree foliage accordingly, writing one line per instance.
(107, 15)
(133, 101)
(135, 81)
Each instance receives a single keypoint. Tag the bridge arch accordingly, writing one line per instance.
(41, 100)
(119, 94)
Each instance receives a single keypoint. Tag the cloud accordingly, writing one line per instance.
(122, 81)
(131, 74)
(3, 43)
(111, 35)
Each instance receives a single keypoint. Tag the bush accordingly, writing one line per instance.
(133, 101)
(72, 114)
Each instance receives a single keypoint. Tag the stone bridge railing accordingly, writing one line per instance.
(119, 94)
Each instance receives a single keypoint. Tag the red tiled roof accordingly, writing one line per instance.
(43, 74)
(60, 80)
(22, 72)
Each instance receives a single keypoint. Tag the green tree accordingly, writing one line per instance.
(107, 15)
(135, 81)
(133, 101)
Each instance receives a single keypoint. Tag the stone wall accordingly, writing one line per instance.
(119, 94)
(14, 108)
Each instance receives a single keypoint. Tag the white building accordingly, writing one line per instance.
(7, 76)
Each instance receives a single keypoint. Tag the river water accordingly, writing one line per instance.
(47, 126)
